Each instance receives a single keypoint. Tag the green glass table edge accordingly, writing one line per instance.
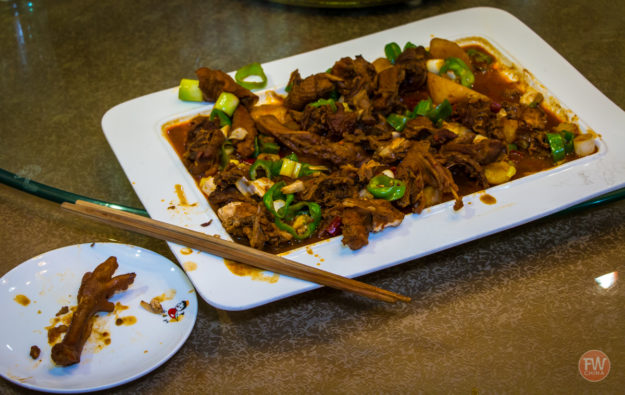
(57, 195)
(60, 196)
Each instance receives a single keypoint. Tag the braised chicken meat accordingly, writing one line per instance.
(353, 149)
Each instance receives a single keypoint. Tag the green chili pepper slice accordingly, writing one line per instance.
(556, 143)
(224, 119)
(398, 122)
(273, 194)
(269, 148)
(423, 107)
(409, 45)
(292, 156)
(440, 113)
(251, 70)
(264, 165)
(385, 187)
(323, 102)
(314, 211)
(305, 170)
(569, 146)
(224, 153)
(392, 51)
(460, 69)
(256, 147)
(479, 56)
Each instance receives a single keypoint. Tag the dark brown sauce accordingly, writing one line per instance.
(177, 135)
(492, 84)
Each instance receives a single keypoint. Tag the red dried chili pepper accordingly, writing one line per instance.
(334, 228)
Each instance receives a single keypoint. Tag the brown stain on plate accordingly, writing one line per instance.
(487, 199)
(100, 335)
(127, 320)
(169, 295)
(243, 270)
(22, 299)
(181, 196)
(189, 266)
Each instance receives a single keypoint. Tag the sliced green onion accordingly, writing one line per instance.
(189, 90)
(290, 168)
(251, 70)
(392, 51)
(227, 102)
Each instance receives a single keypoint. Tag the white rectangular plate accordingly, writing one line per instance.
(134, 131)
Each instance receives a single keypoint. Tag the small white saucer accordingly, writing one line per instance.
(138, 341)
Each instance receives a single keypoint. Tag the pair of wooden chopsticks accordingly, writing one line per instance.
(228, 249)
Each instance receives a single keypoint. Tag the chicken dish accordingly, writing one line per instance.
(353, 149)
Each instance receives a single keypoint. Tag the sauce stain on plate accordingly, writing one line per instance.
(128, 320)
(487, 199)
(243, 270)
(22, 299)
(189, 266)
(181, 196)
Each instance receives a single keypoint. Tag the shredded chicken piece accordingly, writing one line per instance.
(153, 307)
